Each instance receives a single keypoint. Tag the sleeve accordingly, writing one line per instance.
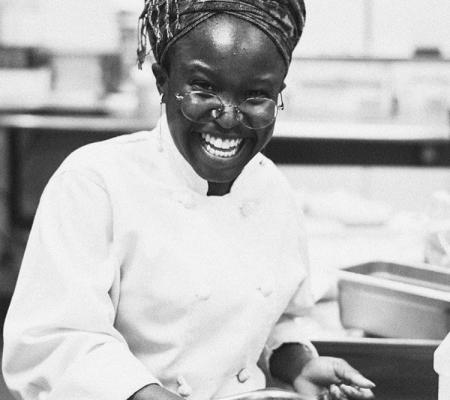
(59, 335)
(289, 327)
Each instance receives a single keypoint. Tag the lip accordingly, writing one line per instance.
(224, 136)
(215, 168)
(246, 142)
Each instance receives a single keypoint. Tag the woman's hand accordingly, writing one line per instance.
(154, 392)
(343, 380)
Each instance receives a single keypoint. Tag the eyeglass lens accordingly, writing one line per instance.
(254, 113)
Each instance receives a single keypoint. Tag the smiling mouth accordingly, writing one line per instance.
(220, 147)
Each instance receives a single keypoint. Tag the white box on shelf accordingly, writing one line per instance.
(24, 87)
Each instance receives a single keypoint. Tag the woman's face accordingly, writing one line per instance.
(235, 60)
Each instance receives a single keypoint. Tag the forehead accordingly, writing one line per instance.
(229, 44)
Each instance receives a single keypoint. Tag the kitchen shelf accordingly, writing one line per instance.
(297, 143)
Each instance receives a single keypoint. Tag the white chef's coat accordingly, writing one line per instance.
(132, 275)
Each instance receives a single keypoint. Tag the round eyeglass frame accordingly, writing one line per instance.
(215, 113)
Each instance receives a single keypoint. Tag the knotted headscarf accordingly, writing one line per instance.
(163, 22)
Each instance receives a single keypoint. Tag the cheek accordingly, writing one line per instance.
(265, 136)
(171, 105)
(178, 124)
(180, 130)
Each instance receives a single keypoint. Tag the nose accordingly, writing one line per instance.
(229, 117)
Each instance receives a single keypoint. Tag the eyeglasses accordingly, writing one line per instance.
(253, 113)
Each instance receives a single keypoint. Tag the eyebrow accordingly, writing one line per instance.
(205, 68)
(198, 64)
(264, 78)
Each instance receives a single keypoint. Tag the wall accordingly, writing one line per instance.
(351, 27)
(375, 27)
(403, 189)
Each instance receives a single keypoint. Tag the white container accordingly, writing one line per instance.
(396, 300)
(442, 367)
(24, 87)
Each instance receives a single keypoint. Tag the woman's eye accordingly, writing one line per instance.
(202, 85)
(258, 93)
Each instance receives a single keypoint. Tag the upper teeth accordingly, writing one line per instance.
(224, 144)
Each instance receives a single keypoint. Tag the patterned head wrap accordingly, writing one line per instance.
(163, 22)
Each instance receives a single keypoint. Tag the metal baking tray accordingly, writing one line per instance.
(275, 394)
(395, 300)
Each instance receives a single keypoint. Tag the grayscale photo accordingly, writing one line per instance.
(224, 200)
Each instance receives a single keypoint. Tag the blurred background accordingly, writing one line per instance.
(364, 138)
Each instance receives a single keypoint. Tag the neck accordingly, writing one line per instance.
(219, 188)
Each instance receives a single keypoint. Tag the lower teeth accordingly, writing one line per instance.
(220, 153)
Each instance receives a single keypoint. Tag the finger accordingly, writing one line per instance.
(306, 387)
(357, 393)
(336, 393)
(348, 374)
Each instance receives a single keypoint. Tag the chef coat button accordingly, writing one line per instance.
(243, 375)
(247, 208)
(266, 290)
(187, 200)
(184, 389)
(203, 293)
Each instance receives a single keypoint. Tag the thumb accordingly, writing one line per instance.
(349, 375)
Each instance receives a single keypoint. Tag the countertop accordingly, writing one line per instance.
(349, 130)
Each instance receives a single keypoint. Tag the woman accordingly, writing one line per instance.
(166, 265)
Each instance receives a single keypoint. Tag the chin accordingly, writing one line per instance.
(219, 177)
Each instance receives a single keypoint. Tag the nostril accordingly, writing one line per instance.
(227, 123)
(228, 118)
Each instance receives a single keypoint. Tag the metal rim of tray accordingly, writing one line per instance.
(275, 394)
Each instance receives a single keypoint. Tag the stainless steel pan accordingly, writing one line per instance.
(274, 394)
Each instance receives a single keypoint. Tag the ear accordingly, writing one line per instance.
(162, 78)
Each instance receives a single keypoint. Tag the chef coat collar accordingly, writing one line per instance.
(184, 171)
(182, 168)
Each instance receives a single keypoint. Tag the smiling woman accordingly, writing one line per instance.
(168, 264)
(217, 141)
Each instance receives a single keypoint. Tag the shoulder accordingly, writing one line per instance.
(110, 150)
(106, 158)
(271, 175)
(275, 185)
